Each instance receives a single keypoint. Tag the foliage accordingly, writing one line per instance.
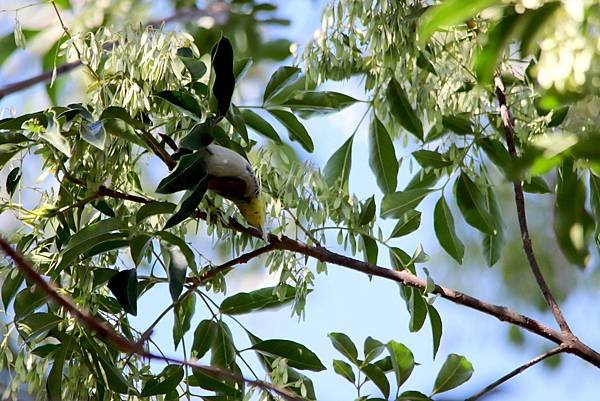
(156, 97)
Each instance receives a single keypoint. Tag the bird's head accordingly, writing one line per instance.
(253, 211)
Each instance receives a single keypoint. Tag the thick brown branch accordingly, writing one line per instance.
(520, 202)
(217, 10)
(121, 343)
(513, 373)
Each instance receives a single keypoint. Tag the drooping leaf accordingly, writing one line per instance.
(36, 324)
(344, 345)
(164, 382)
(407, 223)
(402, 110)
(236, 119)
(279, 79)
(184, 311)
(54, 380)
(344, 369)
(367, 212)
(204, 336)
(260, 125)
(339, 164)
(296, 130)
(311, 103)
(222, 62)
(10, 286)
(12, 180)
(195, 67)
(124, 286)
(471, 203)
(436, 327)
(443, 224)
(182, 245)
(459, 123)
(189, 202)
(223, 349)
(377, 376)
(189, 171)
(403, 361)
(265, 298)
(493, 243)
(153, 209)
(372, 348)
(417, 308)
(536, 185)
(382, 157)
(184, 102)
(138, 245)
(298, 355)
(370, 249)
(397, 203)
(454, 372)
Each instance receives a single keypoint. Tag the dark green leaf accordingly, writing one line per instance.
(385, 364)
(536, 185)
(152, 209)
(187, 205)
(200, 136)
(370, 249)
(403, 361)
(377, 376)
(407, 223)
(367, 211)
(448, 13)
(184, 102)
(424, 63)
(119, 113)
(436, 328)
(594, 202)
(28, 300)
(413, 396)
(460, 124)
(397, 203)
(496, 151)
(222, 62)
(402, 110)
(223, 350)
(344, 345)
(138, 245)
(196, 67)
(123, 130)
(279, 79)
(54, 137)
(310, 103)
(372, 348)
(430, 158)
(493, 243)
(471, 203)
(12, 180)
(93, 244)
(10, 286)
(443, 224)
(212, 382)
(344, 369)
(124, 287)
(189, 171)
(260, 125)
(204, 336)
(423, 179)
(455, 371)
(165, 381)
(338, 166)
(36, 324)
(278, 49)
(298, 355)
(382, 157)
(235, 118)
(184, 311)
(418, 310)
(55, 376)
(265, 298)
(296, 130)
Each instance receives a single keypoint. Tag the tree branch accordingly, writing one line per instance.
(520, 369)
(216, 10)
(520, 202)
(122, 344)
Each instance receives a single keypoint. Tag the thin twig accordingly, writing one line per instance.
(122, 344)
(520, 369)
(520, 202)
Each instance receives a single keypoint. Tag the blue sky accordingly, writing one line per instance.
(347, 301)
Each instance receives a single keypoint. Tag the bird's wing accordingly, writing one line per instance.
(228, 187)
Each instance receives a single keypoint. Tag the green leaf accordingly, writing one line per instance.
(279, 79)
(241, 67)
(448, 13)
(8, 45)
(265, 298)
(413, 396)
(176, 269)
(443, 224)
(436, 327)
(417, 307)
(235, 118)
(12, 180)
(382, 157)
(92, 247)
(298, 355)
(53, 136)
(119, 113)
(94, 134)
(278, 49)
(431, 159)
(370, 249)
(497, 153)
(459, 124)
(397, 203)
(224, 84)
(36, 324)
(211, 382)
(367, 212)
(493, 243)
(190, 169)
(153, 209)
(184, 311)
(403, 361)
(385, 364)
(372, 348)
(344, 345)
(572, 223)
(183, 102)
(311, 103)
(296, 130)
(188, 204)
(28, 300)
(164, 382)
(339, 164)
(594, 203)
(196, 68)
(536, 185)
(204, 336)
(55, 376)
(124, 286)
(455, 371)
(471, 203)
(138, 245)
(123, 130)
(260, 125)
(424, 63)
(10, 286)
(407, 223)
(377, 376)
(402, 110)
(223, 350)
(423, 179)
(344, 369)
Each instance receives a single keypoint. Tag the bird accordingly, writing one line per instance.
(231, 176)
